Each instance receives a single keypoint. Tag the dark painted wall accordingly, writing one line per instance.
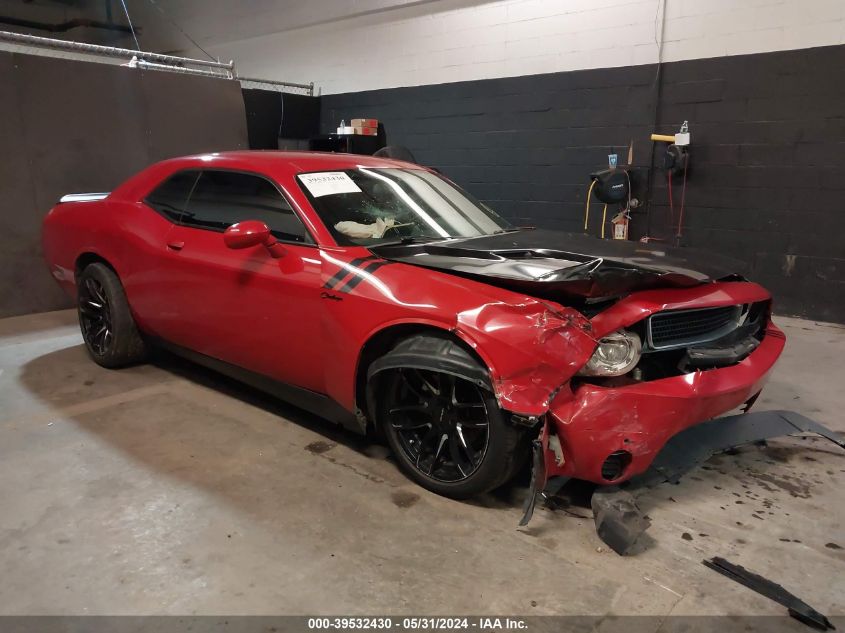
(768, 183)
(273, 118)
(69, 126)
(767, 172)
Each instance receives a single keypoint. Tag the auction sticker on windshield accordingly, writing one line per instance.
(327, 183)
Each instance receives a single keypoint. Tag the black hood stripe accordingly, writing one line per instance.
(552, 264)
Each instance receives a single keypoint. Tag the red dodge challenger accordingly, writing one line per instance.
(380, 295)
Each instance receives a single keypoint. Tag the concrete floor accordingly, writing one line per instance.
(169, 490)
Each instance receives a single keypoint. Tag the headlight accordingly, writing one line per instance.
(615, 355)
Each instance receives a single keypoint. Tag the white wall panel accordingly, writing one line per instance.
(439, 41)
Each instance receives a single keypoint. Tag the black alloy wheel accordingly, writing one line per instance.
(95, 316)
(105, 319)
(441, 423)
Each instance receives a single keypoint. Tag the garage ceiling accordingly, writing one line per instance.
(171, 25)
(220, 22)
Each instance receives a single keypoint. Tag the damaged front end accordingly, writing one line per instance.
(652, 368)
(612, 390)
(696, 363)
(532, 348)
(614, 351)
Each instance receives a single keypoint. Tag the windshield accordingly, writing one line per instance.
(368, 206)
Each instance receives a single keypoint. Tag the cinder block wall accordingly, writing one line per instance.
(520, 99)
(767, 176)
(525, 145)
(395, 43)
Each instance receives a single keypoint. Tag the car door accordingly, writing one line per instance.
(246, 307)
(147, 287)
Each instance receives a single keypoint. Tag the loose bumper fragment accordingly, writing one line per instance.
(619, 521)
(694, 446)
(797, 608)
(538, 481)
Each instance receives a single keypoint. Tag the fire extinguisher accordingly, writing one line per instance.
(620, 224)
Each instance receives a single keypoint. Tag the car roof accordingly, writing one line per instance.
(293, 162)
(275, 164)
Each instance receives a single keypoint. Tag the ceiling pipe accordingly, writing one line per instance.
(107, 51)
(151, 61)
(63, 27)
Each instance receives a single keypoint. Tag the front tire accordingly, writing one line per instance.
(106, 322)
(447, 432)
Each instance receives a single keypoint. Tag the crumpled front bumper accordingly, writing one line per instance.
(592, 422)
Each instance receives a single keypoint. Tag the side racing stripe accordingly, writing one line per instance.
(359, 275)
(345, 270)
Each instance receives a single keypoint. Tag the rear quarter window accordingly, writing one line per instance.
(171, 196)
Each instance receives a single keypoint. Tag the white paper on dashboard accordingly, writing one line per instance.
(327, 183)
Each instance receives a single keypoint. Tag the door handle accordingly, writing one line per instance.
(175, 246)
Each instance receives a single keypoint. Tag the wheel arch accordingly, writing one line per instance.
(90, 257)
(386, 339)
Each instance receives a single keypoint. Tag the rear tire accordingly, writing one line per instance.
(106, 322)
(447, 432)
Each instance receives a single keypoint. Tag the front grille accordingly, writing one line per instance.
(681, 328)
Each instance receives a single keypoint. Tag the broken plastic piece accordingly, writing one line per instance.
(538, 481)
(694, 446)
(797, 608)
(557, 449)
(619, 521)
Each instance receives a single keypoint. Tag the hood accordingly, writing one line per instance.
(552, 264)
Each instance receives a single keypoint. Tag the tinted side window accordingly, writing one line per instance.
(170, 197)
(222, 198)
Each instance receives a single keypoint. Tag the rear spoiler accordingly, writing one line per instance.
(83, 197)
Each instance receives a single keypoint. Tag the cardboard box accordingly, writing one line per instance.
(365, 123)
(365, 131)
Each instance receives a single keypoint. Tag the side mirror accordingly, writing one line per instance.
(247, 234)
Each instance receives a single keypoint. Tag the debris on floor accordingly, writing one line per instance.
(619, 522)
(797, 608)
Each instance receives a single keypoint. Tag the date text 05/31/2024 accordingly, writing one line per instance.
(416, 623)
